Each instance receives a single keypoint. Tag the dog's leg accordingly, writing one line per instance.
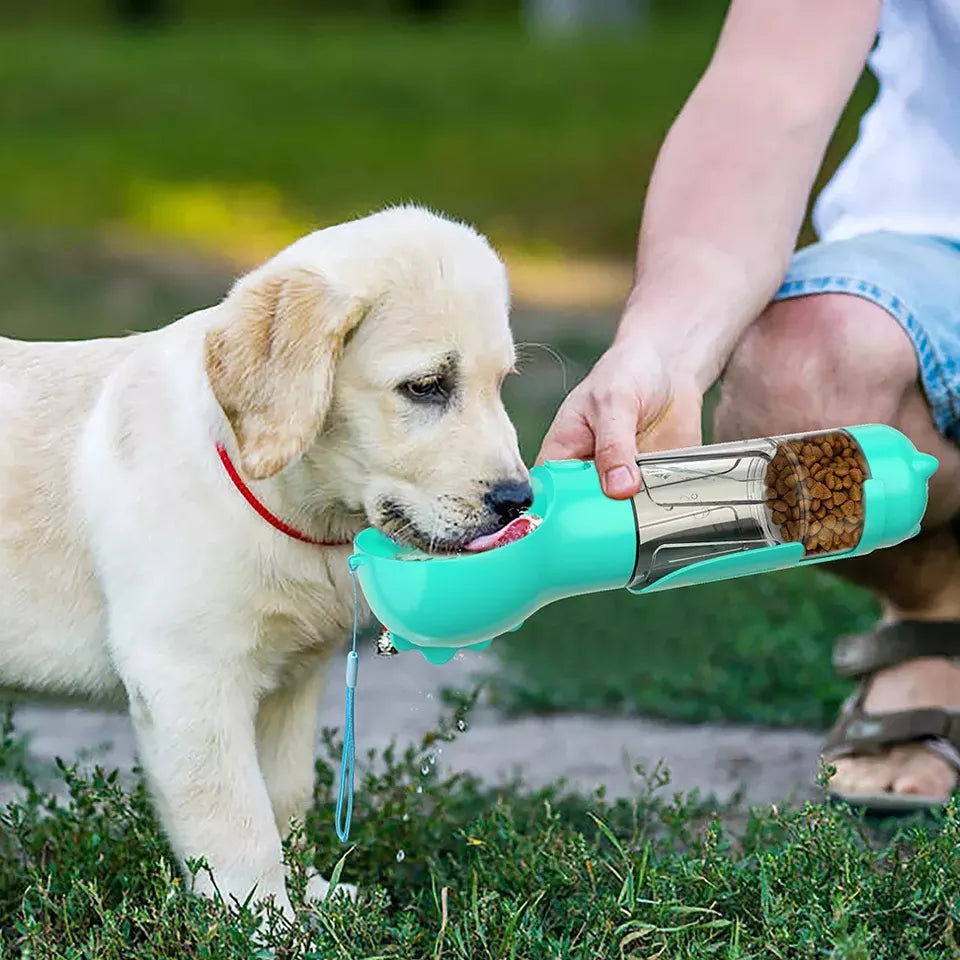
(286, 745)
(194, 718)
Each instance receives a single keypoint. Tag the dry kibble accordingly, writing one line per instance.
(819, 491)
(814, 492)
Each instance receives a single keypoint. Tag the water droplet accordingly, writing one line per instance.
(400, 856)
(419, 788)
(431, 759)
(406, 817)
(424, 768)
(429, 696)
(461, 725)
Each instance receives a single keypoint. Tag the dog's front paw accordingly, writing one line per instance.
(317, 888)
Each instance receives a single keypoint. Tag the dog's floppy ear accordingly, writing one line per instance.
(271, 365)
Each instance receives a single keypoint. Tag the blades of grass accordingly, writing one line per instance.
(626, 899)
(528, 904)
(335, 876)
(444, 917)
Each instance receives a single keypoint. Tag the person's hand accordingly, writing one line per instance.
(630, 401)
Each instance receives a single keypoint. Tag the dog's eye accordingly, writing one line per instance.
(425, 389)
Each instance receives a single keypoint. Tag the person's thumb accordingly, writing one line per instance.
(615, 431)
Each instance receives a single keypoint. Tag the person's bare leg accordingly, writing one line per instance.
(832, 360)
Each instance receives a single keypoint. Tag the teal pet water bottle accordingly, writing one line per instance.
(703, 514)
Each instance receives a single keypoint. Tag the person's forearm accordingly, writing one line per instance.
(728, 195)
(722, 214)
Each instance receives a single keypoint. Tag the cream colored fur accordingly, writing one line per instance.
(132, 568)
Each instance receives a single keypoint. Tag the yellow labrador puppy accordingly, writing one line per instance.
(176, 507)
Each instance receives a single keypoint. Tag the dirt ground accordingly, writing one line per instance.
(399, 697)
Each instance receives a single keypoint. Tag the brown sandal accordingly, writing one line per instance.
(857, 732)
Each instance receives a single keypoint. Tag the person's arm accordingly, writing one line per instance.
(722, 213)
(731, 183)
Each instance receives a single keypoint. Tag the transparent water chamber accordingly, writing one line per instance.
(713, 501)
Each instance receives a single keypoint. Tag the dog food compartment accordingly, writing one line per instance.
(815, 491)
(715, 501)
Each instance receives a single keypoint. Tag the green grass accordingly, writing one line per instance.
(228, 132)
(755, 650)
(236, 134)
(451, 869)
(542, 144)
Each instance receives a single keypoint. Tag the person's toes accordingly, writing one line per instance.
(922, 773)
(864, 774)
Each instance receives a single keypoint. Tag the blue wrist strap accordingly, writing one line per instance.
(348, 757)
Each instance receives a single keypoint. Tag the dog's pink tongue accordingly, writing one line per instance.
(514, 530)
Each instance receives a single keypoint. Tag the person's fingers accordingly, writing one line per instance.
(569, 437)
(615, 428)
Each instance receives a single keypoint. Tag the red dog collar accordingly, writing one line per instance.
(272, 519)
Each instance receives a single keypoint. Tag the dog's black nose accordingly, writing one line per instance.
(508, 500)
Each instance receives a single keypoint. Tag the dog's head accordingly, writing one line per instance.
(373, 353)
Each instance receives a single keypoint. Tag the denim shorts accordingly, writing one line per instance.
(916, 279)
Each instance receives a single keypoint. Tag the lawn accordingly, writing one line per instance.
(231, 140)
(450, 869)
(753, 650)
(238, 136)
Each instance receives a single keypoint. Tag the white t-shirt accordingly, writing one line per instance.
(903, 173)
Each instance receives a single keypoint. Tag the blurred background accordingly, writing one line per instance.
(150, 150)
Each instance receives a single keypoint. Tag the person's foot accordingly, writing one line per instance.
(909, 769)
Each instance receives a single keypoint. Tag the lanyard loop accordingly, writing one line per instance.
(348, 756)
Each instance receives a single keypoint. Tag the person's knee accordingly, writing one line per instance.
(815, 362)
